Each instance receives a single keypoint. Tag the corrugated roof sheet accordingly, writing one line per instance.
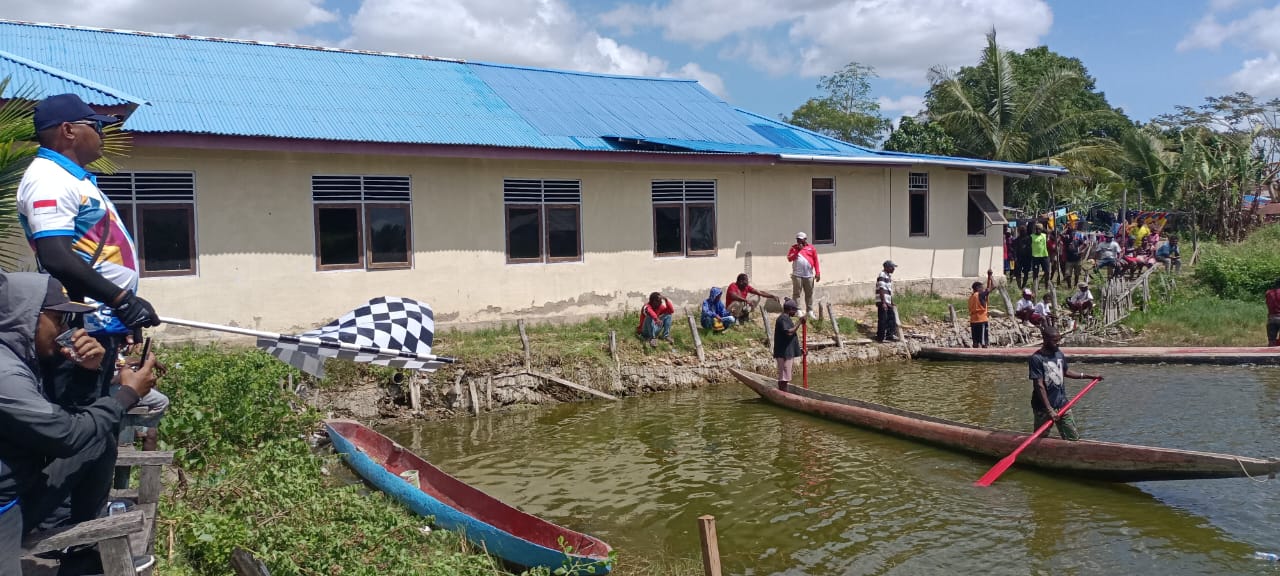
(242, 88)
(30, 77)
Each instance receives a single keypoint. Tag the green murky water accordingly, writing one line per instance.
(796, 495)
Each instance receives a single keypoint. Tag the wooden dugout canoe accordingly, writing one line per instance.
(1085, 458)
(1130, 355)
(516, 537)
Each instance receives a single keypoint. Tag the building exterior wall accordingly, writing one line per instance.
(256, 242)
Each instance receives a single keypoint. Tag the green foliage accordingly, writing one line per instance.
(920, 137)
(846, 110)
(913, 306)
(1196, 316)
(1242, 271)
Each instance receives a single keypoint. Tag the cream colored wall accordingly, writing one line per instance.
(257, 255)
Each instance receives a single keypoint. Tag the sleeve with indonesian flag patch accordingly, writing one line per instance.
(49, 210)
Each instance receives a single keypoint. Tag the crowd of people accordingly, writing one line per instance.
(68, 369)
(1069, 253)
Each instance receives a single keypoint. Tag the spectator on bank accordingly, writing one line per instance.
(1044, 308)
(805, 271)
(1273, 314)
(1081, 301)
(715, 316)
(1008, 249)
(739, 298)
(1170, 255)
(886, 320)
(978, 319)
(1039, 256)
(655, 319)
(1075, 248)
(786, 343)
(1022, 256)
(1025, 309)
(1108, 253)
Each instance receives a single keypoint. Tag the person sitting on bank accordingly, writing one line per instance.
(715, 316)
(1081, 302)
(1108, 252)
(1046, 369)
(1044, 309)
(1170, 255)
(655, 319)
(50, 454)
(1273, 314)
(1025, 310)
(739, 298)
(786, 344)
(978, 319)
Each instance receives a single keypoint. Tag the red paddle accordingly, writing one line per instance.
(804, 353)
(1007, 461)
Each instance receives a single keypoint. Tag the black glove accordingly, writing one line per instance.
(136, 312)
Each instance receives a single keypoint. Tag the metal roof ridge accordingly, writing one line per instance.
(580, 72)
(806, 130)
(87, 83)
(232, 41)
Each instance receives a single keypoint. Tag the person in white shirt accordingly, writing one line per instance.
(1108, 253)
(1025, 310)
(1081, 302)
(1044, 310)
(805, 271)
(886, 321)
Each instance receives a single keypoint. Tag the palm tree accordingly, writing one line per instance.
(17, 148)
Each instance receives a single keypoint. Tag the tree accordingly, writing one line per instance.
(846, 110)
(922, 137)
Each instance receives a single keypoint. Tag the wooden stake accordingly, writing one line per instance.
(768, 336)
(697, 340)
(568, 384)
(415, 392)
(524, 339)
(710, 545)
(613, 347)
(457, 387)
(475, 401)
(488, 391)
(835, 325)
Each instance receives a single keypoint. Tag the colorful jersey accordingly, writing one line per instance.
(59, 198)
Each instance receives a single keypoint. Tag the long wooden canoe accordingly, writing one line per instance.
(1132, 355)
(1085, 458)
(518, 538)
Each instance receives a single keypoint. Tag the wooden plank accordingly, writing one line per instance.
(897, 323)
(123, 494)
(524, 340)
(149, 484)
(415, 392)
(835, 324)
(710, 546)
(142, 541)
(475, 401)
(488, 392)
(568, 384)
(457, 386)
(245, 564)
(129, 456)
(613, 346)
(117, 557)
(697, 340)
(118, 526)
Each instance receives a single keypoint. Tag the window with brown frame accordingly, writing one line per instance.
(982, 211)
(158, 209)
(543, 220)
(824, 210)
(362, 222)
(684, 217)
(918, 204)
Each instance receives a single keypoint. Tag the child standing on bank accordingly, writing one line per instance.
(786, 345)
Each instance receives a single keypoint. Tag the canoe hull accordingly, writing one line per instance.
(1086, 458)
(1228, 356)
(516, 537)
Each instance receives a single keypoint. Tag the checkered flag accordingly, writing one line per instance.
(388, 331)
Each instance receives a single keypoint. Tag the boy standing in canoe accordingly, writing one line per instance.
(786, 345)
(1046, 369)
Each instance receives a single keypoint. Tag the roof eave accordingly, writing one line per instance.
(1020, 171)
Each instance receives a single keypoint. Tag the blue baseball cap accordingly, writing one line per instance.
(55, 110)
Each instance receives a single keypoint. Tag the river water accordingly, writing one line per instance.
(794, 495)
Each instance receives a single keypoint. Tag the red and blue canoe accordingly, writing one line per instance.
(518, 538)
(1128, 354)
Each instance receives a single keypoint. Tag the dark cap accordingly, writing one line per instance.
(55, 110)
(56, 299)
(890, 264)
(790, 304)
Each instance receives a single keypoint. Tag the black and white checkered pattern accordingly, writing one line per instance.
(388, 331)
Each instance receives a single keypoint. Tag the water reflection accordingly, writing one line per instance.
(797, 495)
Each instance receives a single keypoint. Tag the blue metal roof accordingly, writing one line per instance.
(31, 77)
(241, 88)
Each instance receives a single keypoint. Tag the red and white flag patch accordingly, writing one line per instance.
(44, 207)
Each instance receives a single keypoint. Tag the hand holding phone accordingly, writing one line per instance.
(146, 349)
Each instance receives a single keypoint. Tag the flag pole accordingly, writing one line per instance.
(307, 340)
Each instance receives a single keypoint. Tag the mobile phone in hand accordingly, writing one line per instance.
(146, 349)
(67, 340)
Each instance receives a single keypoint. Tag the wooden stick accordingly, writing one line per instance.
(488, 391)
(415, 393)
(475, 401)
(457, 386)
(117, 556)
(768, 336)
(697, 340)
(524, 339)
(710, 545)
(568, 384)
(613, 347)
(835, 325)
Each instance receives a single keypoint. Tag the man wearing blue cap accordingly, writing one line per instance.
(75, 230)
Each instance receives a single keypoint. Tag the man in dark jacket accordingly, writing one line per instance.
(46, 452)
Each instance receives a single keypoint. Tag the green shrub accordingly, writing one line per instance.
(1242, 271)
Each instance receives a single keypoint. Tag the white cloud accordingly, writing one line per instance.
(1254, 33)
(908, 105)
(901, 38)
(544, 33)
(276, 20)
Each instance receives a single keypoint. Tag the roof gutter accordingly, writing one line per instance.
(1047, 171)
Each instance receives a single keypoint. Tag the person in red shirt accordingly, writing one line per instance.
(739, 300)
(804, 271)
(655, 319)
(1273, 315)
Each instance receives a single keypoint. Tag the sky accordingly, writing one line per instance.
(762, 55)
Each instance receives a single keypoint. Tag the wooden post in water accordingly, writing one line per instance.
(710, 545)
(613, 347)
(457, 386)
(415, 392)
(768, 336)
(488, 391)
(835, 325)
(697, 339)
(524, 340)
(475, 400)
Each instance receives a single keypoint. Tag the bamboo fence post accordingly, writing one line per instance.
(613, 346)
(475, 400)
(488, 391)
(415, 392)
(524, 340)
(835, 325)
(710, 545)
(768, 336)
(697, 339)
